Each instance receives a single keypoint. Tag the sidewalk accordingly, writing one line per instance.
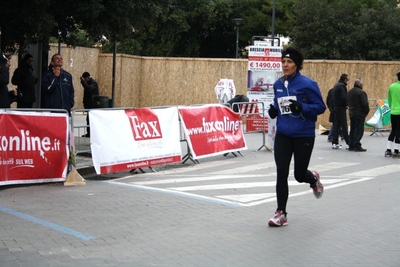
(108, 224)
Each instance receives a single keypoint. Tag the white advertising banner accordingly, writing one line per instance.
(264, 68)
(134, 138)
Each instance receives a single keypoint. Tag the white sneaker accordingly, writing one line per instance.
(279, 219)
(318, 188)
(336, 146)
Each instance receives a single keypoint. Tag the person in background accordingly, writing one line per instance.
(394, 104)
(6, 94)
(358, 111)
(57, 87)
(25, 79)
(90, 89)
(329, 104)
(297, 103)
(339, 108)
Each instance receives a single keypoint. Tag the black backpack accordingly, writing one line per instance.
(237, 98)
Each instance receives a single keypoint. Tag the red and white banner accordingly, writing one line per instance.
(212, 130)
(133, 139)
(33, 147)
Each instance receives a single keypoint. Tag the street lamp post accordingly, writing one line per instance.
(273, 22)
(237, 22)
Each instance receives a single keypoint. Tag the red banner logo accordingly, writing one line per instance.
(144, 123)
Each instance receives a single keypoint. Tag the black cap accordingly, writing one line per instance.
(86, 74)
(294, 54)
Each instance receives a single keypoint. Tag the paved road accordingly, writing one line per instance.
(211, 214)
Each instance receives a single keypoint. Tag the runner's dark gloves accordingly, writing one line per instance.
(272, 111)
(295, 107)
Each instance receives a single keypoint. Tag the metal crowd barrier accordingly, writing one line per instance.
(82, 144)
(79, 127)
(253, 111)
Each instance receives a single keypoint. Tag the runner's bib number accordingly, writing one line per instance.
(284, 103)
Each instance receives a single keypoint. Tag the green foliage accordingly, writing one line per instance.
(206, 29)
(182, 26)
(341, 29)
(23, 23)
(76, 22)
(323, 29)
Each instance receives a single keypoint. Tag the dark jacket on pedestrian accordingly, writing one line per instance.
(90, 89)
(340, 94)
(58, 91)
(25, 79)
(329, 104)
(358, 102)
(5, 94)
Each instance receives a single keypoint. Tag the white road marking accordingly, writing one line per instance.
(172, 192)
(331, 166)
(265, 198)
(197, 179)
(243, 185)
(242, 173)
(247, 197)
(246, 169)
(322, 167)
(376, 171)
(181, 169)
(273, 199)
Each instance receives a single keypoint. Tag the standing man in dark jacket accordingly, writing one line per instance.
(25, 79)
(57, 86)
(5, 93)
(340, 106)
(358, 110)
(329, 104)
(90, 89)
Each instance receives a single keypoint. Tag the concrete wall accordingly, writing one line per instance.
(156, 81)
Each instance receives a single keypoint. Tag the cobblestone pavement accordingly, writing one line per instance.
(114, 220)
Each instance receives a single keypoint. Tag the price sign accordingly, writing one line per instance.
(264, 65)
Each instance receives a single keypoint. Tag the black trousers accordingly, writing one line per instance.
(340, 120)
(87, 123)
(356, 131)
(395, 132)
(301, 149)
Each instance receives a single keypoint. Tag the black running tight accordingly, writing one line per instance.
(284, 147)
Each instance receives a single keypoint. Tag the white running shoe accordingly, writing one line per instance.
(318, 188)
(279, 219)
(336, 146)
